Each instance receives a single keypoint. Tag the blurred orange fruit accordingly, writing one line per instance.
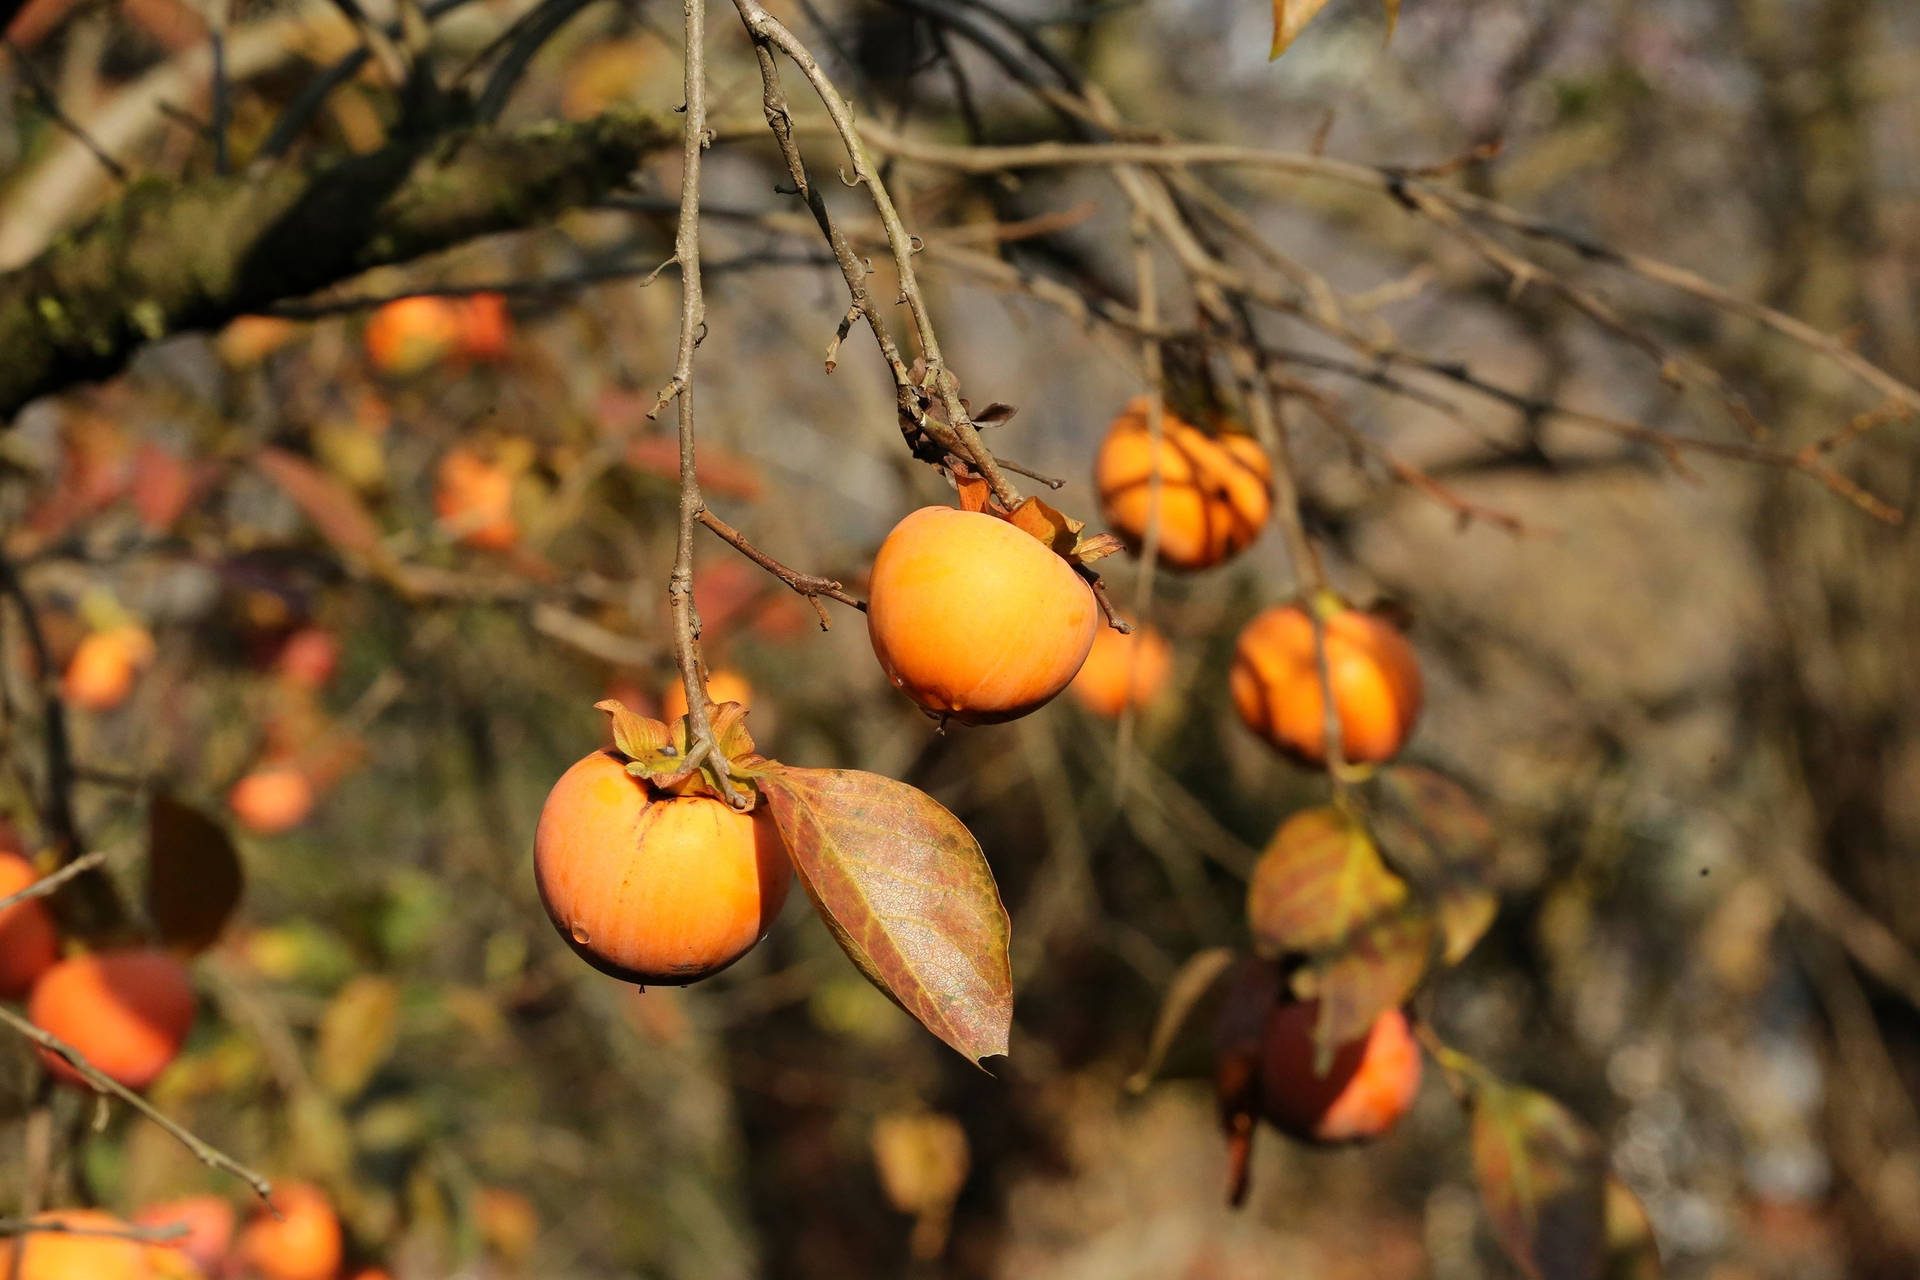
(271, 800)
(72, 1254)
(100, 674)
(474, 499)
(411, 335)
(302, 1244)
(1214, 493)
(209, 1223)
(29, 942)
(654, 889)
(486, 328)
(1123, 671)
(974, 619)
(1373, 671)
(1369, 1086)
(724, 685)
(127, 1012)
(508, 1222)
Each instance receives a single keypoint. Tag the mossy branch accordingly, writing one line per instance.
(170, 257)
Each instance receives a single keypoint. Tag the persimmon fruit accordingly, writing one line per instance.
(1215, 492)
(474, 499)
(29, 941)
(1374, 673)
(209, 1221)
(1367, 1088)
(272, 800)
(308, 658)
(724, 685)
(411, 335)
(650, 888)
(126, 1011)
(100, 674)
(486, 328)
(1123, 670)
(304, 1243)
(973, 618)
(73, 1255)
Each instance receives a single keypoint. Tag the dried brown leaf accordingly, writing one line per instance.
(194, 879)
(1289, 18)
(1542, 1176)
(1195, 980)
(334, 508)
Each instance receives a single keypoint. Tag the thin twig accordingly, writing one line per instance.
(47, 884)
(812, 586)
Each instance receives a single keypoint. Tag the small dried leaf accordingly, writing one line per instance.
(975, 494)
(1289, 18)
(635, 736)
(907, 893)
(922, 1158)
(730, 734)
(1542, 1176)
(1393, 16)
(1319, 878)
(994, 415)
(334, 509)
(194, 879)
(1198, 978)
(1058, 531)
(357, 1033)
(1098, 547)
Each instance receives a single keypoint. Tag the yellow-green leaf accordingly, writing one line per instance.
(357, 1034)
(1318, 879)
(1542, 1176)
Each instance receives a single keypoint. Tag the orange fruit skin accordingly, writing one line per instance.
(29, 942)
(100, 674)
(475, 498)
(1123, 671)
(410, 335)
(303, 1244)
(722, 686)
(272, 800)
(654, 890)
(1375, 674)
(309, 658)
(1215, 491)
(209, 1221)
(1369, 1086)
(973, 619)
(46, 1255)
(127, 1012)
(486, 330)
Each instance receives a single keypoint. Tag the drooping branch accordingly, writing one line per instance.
(171, 257)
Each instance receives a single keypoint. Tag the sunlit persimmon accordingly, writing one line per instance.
(100, 674)
(486, 329)
(209, 1224)
(724, 685)
(1374, 673)
(652, 889)
(308, 658)
(73, 1253)
(973, 618)
(302, 1244)
(410, 335)
(474, 499)
(1123, 670)
(127, 1012)
(272, 800)
(29, 942)
(1213, 497)
(1367, 1088)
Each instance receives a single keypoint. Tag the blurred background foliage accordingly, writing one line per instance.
(1686, 697)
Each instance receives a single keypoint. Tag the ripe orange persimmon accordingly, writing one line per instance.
(974, 619)
(1369, 1086)
(72, 1254)
(651, 888)
(209, 1223)
(1214, 494)
(29, 943)
(127, 1012)
(474, 499)
(410, 335)
(1123, 670)
(100, 674)
(722, 686)
(271, 800)
(302, 1244)
(1373, 670)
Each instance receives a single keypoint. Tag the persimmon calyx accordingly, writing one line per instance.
(665, 756)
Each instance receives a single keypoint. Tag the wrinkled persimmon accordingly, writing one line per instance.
(73, 1253)
(303, 1243)
(272, 800)
(1374, 673)
(411, 335)
(654, 889)
(128, 1012)
(1123, 670)
(1366, 1089)
(474, 499)
(973, 618)
(29, 942)
(1214, 494)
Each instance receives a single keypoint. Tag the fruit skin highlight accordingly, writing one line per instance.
(29, 940)
(1123, 671)
(974, 619)
(1215, 491)
(127, 1012)
(1375, 674)
(53, 1255)
(1369, 1086)
(651, 889)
